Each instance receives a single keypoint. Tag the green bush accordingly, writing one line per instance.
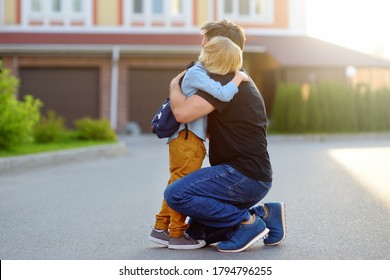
(289, 112)
(8, 83)
(50, 128)
(331, 108)
(89, 129)
(17, 118)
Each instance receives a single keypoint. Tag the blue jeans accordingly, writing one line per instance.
(217, 196)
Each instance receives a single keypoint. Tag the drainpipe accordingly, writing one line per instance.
(114, 87)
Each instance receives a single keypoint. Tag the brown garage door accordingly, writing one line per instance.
(147, 89)
(71, 93)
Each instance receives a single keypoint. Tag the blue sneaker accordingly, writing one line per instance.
(275, 221)
(244, 236)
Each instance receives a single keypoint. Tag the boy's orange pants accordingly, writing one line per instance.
(185, 156)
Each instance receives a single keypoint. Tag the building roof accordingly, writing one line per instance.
(309, 51)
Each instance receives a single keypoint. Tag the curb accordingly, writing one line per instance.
(18, 163)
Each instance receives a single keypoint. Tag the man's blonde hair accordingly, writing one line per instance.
(221, 56)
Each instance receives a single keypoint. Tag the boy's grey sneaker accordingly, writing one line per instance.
(185, 242)
(159, 236)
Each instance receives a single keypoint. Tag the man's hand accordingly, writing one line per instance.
(176, 81)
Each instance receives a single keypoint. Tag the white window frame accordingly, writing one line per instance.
(66, 15)
(148, 17)
(267, 17)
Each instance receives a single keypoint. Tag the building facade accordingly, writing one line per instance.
(114, 59)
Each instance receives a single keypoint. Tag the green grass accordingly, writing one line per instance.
(34, 148)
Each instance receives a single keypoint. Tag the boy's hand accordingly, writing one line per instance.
(243, 75)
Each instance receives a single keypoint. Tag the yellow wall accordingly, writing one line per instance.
(107, 12)
(202, 15)
(10, 12)
(281, 14)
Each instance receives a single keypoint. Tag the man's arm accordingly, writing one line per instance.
(187, 109)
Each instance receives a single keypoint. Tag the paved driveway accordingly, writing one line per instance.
(336, 191)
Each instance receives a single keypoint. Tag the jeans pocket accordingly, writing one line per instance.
(266, 185)
(248, 192)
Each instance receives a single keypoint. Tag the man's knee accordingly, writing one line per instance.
(169, 196)
(175, 196)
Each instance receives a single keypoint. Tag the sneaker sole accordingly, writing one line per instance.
(201, 244)
(158, 241)
(259, 236)
(283, 214)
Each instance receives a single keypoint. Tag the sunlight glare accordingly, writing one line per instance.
(370, 166)
(358, 24)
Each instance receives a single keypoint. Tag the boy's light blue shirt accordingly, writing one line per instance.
(195, 79)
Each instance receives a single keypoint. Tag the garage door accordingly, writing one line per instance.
(147, 89)
(71, 93)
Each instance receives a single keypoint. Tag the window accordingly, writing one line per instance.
(244, 10)
(55, 13)
(157, 13)
(158, 7)
(56, 6)
(77, 6)
(36, 6)
(176, 7)
(244, 7)
(138, 7)
(259, 7)
(228, 6)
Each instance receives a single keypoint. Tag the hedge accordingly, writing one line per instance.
(330, 108)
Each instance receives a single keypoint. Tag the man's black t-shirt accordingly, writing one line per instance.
(237, 131)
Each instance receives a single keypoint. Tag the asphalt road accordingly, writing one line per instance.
(336, 192)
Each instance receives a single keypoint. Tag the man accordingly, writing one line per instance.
(218, 198)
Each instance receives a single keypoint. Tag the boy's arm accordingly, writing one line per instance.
(239, 77)
(201, 81)
(187, 109)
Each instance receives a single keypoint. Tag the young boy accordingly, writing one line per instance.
(186, 147)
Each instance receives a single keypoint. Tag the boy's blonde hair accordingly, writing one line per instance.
(221, 56)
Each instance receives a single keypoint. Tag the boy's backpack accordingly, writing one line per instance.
(164, 123)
